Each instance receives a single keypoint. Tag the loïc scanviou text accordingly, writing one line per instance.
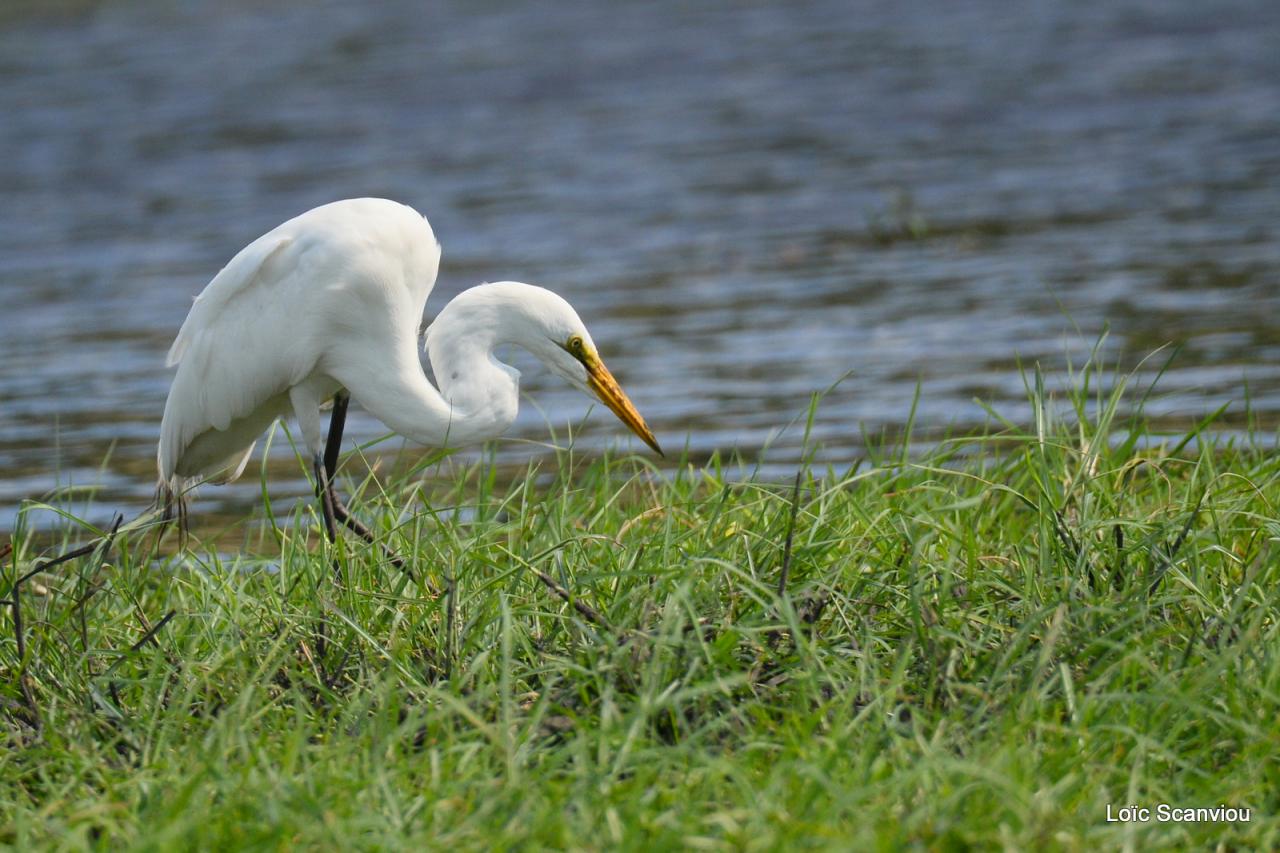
(1165, 813)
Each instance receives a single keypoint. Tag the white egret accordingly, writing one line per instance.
(329, 304)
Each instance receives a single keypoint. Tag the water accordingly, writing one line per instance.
(745, 202)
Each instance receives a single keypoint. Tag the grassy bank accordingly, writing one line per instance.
(986, 645)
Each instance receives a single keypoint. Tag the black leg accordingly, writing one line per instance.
(335, 509)
(327, 465)
(333, 443)
(324, 491)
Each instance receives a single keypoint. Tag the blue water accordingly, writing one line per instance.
(744, 201)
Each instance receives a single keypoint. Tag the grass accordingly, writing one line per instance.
(985, 646)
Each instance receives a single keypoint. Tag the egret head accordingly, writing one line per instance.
(584, 369)
(540, 321)
(569, 351)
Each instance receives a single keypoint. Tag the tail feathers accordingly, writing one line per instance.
(172, 502)
(171, 492)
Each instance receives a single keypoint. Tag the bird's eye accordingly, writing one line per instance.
(575, 345)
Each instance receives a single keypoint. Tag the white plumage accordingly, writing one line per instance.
(333, 299)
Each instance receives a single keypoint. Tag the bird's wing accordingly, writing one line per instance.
(243, 271)
(335, 276)
(245, 342)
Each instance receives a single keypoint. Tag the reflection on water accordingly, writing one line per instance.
(744, 203)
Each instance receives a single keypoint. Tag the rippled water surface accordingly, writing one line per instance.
(745, 202)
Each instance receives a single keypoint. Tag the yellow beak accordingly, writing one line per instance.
(601, 381)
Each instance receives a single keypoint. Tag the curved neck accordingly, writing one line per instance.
(478, 395)
(482, 393)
